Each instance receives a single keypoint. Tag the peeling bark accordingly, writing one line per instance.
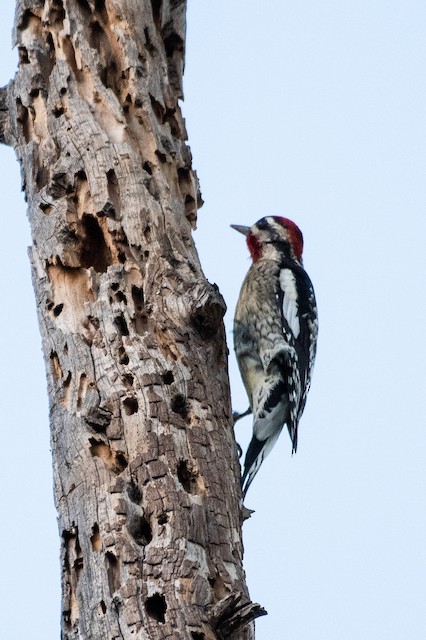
(146, 475)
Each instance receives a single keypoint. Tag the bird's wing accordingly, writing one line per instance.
(297, 300)
(306, 342)
(289, 297)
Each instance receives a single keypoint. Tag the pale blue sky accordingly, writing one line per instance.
(315, 111)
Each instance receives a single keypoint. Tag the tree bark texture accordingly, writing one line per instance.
(146, 476)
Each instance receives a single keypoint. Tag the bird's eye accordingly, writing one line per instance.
(262, 224)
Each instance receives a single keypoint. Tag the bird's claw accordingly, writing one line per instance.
(237, 416)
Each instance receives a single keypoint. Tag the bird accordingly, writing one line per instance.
(275, 336)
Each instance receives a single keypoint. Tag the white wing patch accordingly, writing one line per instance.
(290, 306)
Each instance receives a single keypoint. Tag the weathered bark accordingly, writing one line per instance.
(145, 464)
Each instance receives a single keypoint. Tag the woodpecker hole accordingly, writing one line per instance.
(113, 190)
(141, 317)
(121, 325)
(109, 76)
(57, 13)
(127, 102)
(56, 365)
(123, 358)
(100, 8)
(156, 8)
(196, 635)
(148, 42)
(157, 108)
(95, 252)
(83, 385)
(29, 20)
(120, 297)
(95, 538)
(65, 400)
(128, 380)
(84, 6)
(97, 35)
(140, 529)
(80, 178)
(163, 518)
(208, 319)
(73, 558)
(190, 206)
(130, 406)
(173, 43)
(23, 55)
(46, 208)
(59, 186)
(184, 176)
(187, 478)
(167, 377)
(156, 607)
(115, 461)
(23, 119)
(161, 156)
(134, 492)
(67, 380)
(102, 608)
(121, 462)
(113, 572)
(42, 177)
(179, 405)
(94, 322)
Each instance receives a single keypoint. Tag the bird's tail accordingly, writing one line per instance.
(256, 453)
(292, 430)
(252, 463)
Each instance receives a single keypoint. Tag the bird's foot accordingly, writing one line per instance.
(237, 416)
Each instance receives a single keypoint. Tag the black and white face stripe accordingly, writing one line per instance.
(270, 224)
(263, 223)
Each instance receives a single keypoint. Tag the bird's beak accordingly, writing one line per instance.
(239, 227)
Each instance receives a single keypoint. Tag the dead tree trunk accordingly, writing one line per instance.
(145, 465)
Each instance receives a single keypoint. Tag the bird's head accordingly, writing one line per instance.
(272, 237)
